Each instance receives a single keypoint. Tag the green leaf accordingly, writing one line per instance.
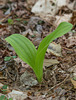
(10, 21)
(74, 78)
(24, 48)
(18, 19)
(4, 87)
(63, 28)
(2, 97)
(14, 57)
(25, 22)
(27, 52)
(7, 58)
(10, 99)
(4, 90)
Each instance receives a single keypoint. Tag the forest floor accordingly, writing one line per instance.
(59, 78)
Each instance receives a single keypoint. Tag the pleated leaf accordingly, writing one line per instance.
(23, 47)
(63, 28)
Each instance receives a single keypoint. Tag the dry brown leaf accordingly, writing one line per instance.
(1, 14)
(73, 19)
(65, 17)
(3, 2)
(74, 83)
(49, 62)
(17, 95)
(54, 49)
(71, 41)
(1, 85)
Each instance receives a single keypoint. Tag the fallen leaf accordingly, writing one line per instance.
(17, 95)
(49, 62)
(1, 85)
(27, 79)
(3, 2)
(1, 14)
(71, 41)
(54, 49)
(2, 26)
(74, 83)
(65, 17)
(71, 4)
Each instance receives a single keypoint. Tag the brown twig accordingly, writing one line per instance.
(5, 17)
(1, 78)
(59, 83)
(8, 74)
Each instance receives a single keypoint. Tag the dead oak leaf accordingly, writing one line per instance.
(71, 41)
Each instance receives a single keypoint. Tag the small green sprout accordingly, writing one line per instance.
(10, 21)
(18, 19)
(74, 78)
(27, 51)
(4, 88)
(9, 58)
(25, 22)
(3, 97)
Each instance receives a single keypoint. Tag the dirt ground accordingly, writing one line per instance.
(59, 70)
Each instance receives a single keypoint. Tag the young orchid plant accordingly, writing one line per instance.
(27, 51)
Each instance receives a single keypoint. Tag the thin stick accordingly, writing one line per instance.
(1, 78)
(59, 83)
(5, 17)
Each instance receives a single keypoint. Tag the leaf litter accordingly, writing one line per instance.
(58, 78)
